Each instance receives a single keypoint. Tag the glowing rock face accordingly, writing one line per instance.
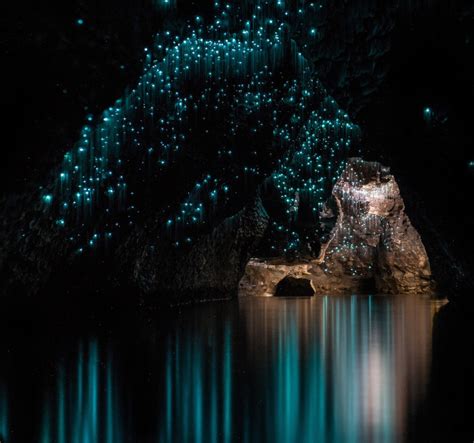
(372, 248)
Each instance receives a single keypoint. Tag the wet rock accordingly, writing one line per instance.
(372, 248)
(294, 287)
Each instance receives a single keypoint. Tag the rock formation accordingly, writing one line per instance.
(372, 248)
(210, 269)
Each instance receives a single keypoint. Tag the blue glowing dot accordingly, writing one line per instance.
(79, 21)
(48, 198)
(428, 115)
(312, 32)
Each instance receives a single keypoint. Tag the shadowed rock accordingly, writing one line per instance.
(211, 269)
(295, 287)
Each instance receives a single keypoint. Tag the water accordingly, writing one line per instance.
(326, 369)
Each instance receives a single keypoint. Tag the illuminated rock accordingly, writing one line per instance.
(372, 248)
(262, 277)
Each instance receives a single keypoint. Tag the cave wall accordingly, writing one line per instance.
(350, 51)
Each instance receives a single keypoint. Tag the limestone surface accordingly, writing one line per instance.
(372, 247)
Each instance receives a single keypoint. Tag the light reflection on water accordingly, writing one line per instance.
(3, 412)
(83, 406)
(199, 388)
(325, 369)
(333, 369)
(338, 369)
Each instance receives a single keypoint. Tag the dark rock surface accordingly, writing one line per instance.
(210, 269)
(372, 248)
(294, 287)
(32, 248)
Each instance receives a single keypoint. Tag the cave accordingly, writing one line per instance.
(236, 221)
(294, 287)
(368, 286)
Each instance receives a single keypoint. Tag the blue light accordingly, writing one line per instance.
(48, 198)
(90, 394)
(233, 70)
(4, 413)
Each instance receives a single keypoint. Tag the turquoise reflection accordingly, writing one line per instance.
(327, 369)
(338, 369)
(198, 387)
(84, 406)
(3, 413)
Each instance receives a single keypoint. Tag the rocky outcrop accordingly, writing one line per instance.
(210, 269)
(372, 248)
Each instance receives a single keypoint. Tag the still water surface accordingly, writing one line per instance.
(325, 369)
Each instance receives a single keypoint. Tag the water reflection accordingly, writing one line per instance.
(334, 369)
(198, 386)
(340, 369)
(326, 369)
(3, 413)
(82, 407)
